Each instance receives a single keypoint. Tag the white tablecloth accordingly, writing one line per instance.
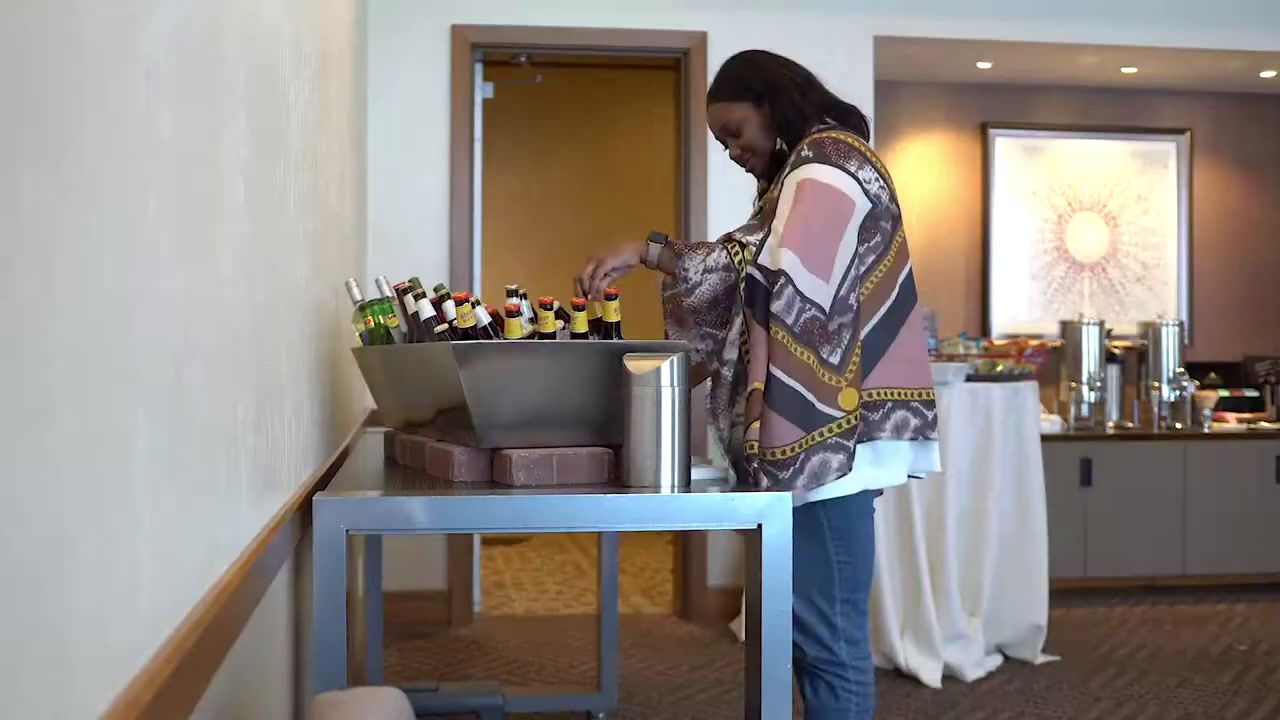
(962, 557)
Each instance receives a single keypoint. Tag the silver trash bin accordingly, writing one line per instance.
(655, 437)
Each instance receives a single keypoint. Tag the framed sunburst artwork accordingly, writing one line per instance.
(1092, 221)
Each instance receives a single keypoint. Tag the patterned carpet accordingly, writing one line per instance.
(1126, 656)
(556, 574)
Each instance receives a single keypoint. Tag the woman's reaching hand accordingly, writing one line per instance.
(606, 268)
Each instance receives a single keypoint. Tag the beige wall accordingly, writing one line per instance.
(182, 188)
(583, 160)
(930, 137)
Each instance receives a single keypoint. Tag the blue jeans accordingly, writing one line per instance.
(834, 553)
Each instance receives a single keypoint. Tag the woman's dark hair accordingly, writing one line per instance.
(797, 101)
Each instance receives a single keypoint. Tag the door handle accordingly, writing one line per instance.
(1086, 471)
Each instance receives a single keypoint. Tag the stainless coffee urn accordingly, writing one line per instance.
(1082, 372)
(1163, 383)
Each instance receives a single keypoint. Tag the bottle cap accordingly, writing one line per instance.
(611, 293)
(440, 288)
(579, 303)
(546, 300)
(512, 310)
(353, 291)
(461, 297)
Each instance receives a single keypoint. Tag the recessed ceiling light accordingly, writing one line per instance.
(1128, 69)
(1267, 74)
(984, 64)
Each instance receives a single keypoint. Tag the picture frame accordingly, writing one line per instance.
(1085, 220)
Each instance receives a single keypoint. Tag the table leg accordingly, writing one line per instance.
(371, 589)
(328, 603)
(768, 620)
(607, 638)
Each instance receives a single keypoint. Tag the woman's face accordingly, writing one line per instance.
(744, 130)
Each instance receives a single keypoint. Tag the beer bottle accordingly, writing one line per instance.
(594, 324)
(486, 329)
(546, 318)
(526, 307)
(563, 318)
(513, 321)
(413, 331)
(466, 322)
(612, 326)
(389, 312)
(416, 283)
(426, 312)
(579, 329)
(357, 311)
(374, 317)
(446, 309)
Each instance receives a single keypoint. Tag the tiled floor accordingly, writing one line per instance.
(556, 575)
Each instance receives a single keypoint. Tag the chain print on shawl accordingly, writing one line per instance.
(832, 348)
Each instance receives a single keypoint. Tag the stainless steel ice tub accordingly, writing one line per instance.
(492, 394)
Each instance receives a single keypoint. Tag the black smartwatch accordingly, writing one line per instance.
(653, 248)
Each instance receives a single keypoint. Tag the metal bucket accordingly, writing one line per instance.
(655, 445)
(506, 394)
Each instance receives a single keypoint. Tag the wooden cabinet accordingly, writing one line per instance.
(1233, 507)
(1064, 498)
(1134, 510)
(1164, 507)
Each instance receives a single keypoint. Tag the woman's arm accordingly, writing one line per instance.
(605, 269)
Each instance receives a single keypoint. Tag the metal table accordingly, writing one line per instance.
(369, 498)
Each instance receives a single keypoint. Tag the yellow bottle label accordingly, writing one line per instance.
(466, 316)
(393, 321)
(546, 321)
(612, 311)
(579, 324)
(593, 310)
(512, 328)
(368, 322)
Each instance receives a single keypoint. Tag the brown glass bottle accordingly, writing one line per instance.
(579, 327)
(595, 325)
(611, 327)
(486, 328)
(413, 330)
(446, 309)
(466, 322)
(426, 312)
(546, 318)
(512, 322)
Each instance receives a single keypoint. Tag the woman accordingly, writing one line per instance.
(805, 319)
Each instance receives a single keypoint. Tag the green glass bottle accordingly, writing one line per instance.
(357, 308)
(386, 319)
(376, 331)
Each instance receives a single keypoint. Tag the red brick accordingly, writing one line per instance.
(411, 451)
(457, 463)
(553, 466)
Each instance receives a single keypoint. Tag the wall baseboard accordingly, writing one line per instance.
(176, 676)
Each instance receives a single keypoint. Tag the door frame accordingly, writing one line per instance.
(694, 600)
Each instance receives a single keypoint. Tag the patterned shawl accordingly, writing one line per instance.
(812, 302)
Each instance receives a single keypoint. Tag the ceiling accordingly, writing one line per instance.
(1026, 63)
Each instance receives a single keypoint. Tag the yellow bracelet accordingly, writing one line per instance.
(757, 385)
